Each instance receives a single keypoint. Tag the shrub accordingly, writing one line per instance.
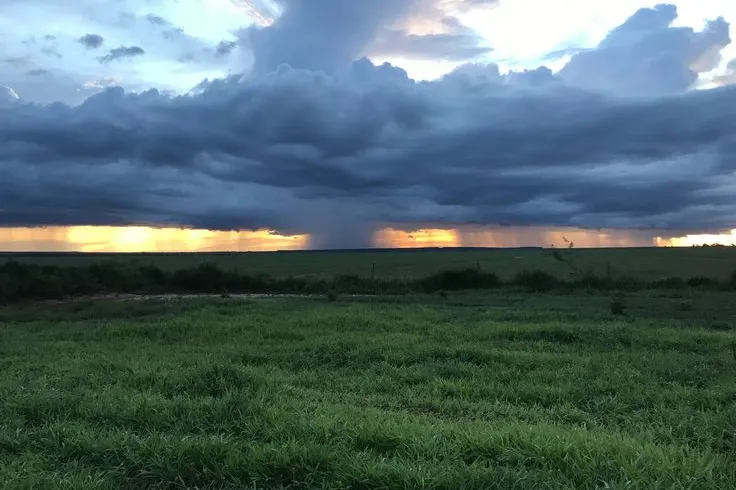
(686, 306)
(460, 279)
(617, 305)
(536, 281)
(670, 283)
(701, 282)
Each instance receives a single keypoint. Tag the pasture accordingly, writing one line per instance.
(643, 263)
(483, 390)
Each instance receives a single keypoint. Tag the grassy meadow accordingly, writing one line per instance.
(641, 263)
(484, 390)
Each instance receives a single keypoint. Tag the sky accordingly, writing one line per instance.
(260, 124)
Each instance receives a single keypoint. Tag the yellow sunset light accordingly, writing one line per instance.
(143, 239)
(391, 238)
(150, 239)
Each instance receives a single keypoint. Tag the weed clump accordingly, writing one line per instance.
(618, 305)
(460, 279)
(536, 281)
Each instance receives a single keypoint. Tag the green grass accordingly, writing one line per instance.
(643, 263)
(482, 391)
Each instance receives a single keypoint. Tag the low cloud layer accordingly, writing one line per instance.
(339, 155)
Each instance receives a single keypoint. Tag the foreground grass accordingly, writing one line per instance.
(473, 392)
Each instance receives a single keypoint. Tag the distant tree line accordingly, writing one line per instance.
(21, 281)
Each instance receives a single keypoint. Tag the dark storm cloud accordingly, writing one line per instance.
(121, 53)
(340, 155)
(91, 41)
(647, 56)
(287, 150)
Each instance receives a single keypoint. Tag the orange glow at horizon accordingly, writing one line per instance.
(391, 238)
(150, 239)
(143, 239)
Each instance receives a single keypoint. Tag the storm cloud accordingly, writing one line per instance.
(342, 153)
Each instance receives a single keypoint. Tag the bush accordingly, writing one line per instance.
(702, 282)
(459, 279)
(617, 305)
(670, 283)
(537, 281)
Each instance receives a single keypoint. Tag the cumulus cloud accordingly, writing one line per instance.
(647, 56)
(121, 53)
(339, 155)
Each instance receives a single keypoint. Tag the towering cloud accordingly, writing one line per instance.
(339, 154)
(646, 56)
(328, 35)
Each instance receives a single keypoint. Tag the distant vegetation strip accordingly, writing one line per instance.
(21, 281)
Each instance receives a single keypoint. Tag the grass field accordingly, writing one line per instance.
(483, 391)
(643, 263)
